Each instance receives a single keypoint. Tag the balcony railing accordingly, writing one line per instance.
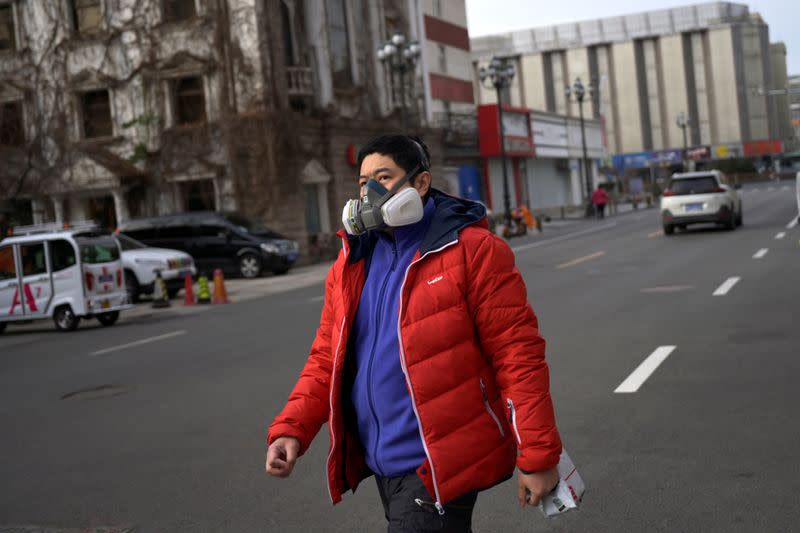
(301, 82)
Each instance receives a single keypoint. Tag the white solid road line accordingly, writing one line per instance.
(644, 370)
(562, 237)
(792, 224)
(761, 253)
(780, 235)
(139, 343)
(727, 286)
(317, 298)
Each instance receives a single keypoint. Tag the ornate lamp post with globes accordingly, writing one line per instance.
(579, 91)
(399, 56)
(498, 74)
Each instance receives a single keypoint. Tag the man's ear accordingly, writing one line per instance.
(423, 183)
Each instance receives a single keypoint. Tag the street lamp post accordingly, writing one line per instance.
(683, 122)
(578, 90)
(498, 74)
(400, 57)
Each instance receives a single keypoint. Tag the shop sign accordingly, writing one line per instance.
(726, 151)
(698, 153)
(759, 148)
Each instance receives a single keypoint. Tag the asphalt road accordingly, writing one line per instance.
(172, 439)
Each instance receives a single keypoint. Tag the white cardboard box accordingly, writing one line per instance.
(569, 491)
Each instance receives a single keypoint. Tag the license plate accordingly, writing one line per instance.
(694, 207)
(107, 278)
(105, 304)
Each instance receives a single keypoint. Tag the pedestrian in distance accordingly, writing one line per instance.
(600, 199)
(797, 192)
(428, 364)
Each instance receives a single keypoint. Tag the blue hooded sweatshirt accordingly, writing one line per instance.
(387, 425)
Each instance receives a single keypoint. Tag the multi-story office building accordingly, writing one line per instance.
(793, 83)
(706, 61)
(111, 109)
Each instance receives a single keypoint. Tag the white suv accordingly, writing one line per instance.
(700, 198)
(141, 262)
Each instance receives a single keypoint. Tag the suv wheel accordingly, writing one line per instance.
(730, 225)
(108, 319)
(65, 319)
(250, 265)
(132, 286)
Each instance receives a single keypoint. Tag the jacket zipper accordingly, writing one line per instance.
(490, 410)
(514, 420)
(370, 396)
(438, 503)
(331, 425)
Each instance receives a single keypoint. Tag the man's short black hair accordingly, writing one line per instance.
(406, 150)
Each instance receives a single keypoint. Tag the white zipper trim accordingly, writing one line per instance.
(490, 410)
(514, 420)
(331, 424)
(408, 379)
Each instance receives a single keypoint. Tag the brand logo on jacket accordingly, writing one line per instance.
(437, 279)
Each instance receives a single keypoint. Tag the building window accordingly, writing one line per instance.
(339, 42)
(190, 100)
(288, 34)
(96, 110)
(437, 8)
(8, 39)
(11, 130)
(87, 15)
(442, 59)
(175, 10)
(62, 254)
(198, 195)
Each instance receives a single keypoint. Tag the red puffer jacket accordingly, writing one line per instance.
(472, 356)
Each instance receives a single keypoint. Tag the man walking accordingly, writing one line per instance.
(428, 364)
(600, 199)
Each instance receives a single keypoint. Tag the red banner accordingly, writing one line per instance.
(757, 148)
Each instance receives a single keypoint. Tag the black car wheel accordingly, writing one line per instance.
(250, 265)
(65, 319)
(132, 286)
(108, 319)
(730, 225)
(739, 218)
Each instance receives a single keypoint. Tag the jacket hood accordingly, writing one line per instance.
(451, 216)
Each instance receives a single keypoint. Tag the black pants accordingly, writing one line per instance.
(409, 508)
(601, 210)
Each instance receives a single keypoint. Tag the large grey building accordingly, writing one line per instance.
(707, 61)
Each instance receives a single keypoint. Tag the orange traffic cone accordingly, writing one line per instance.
(220, 294)
(188, 289)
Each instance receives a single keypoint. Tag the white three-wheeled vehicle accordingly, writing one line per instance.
(48, 271)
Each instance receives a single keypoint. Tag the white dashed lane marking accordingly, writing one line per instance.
(723, 289)
(644, 370)
(139, 342)
(761, 253)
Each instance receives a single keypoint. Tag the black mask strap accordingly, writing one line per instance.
(397, 186)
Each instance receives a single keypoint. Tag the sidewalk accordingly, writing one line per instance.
(240, 290)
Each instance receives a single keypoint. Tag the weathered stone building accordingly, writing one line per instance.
(112, 109)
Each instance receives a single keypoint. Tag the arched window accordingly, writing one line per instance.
(339, 42)
(287, 29)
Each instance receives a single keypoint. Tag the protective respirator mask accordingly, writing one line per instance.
(379, 208)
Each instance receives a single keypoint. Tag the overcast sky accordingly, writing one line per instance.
(498, 16)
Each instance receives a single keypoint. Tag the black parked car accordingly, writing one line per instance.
(225, 240)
